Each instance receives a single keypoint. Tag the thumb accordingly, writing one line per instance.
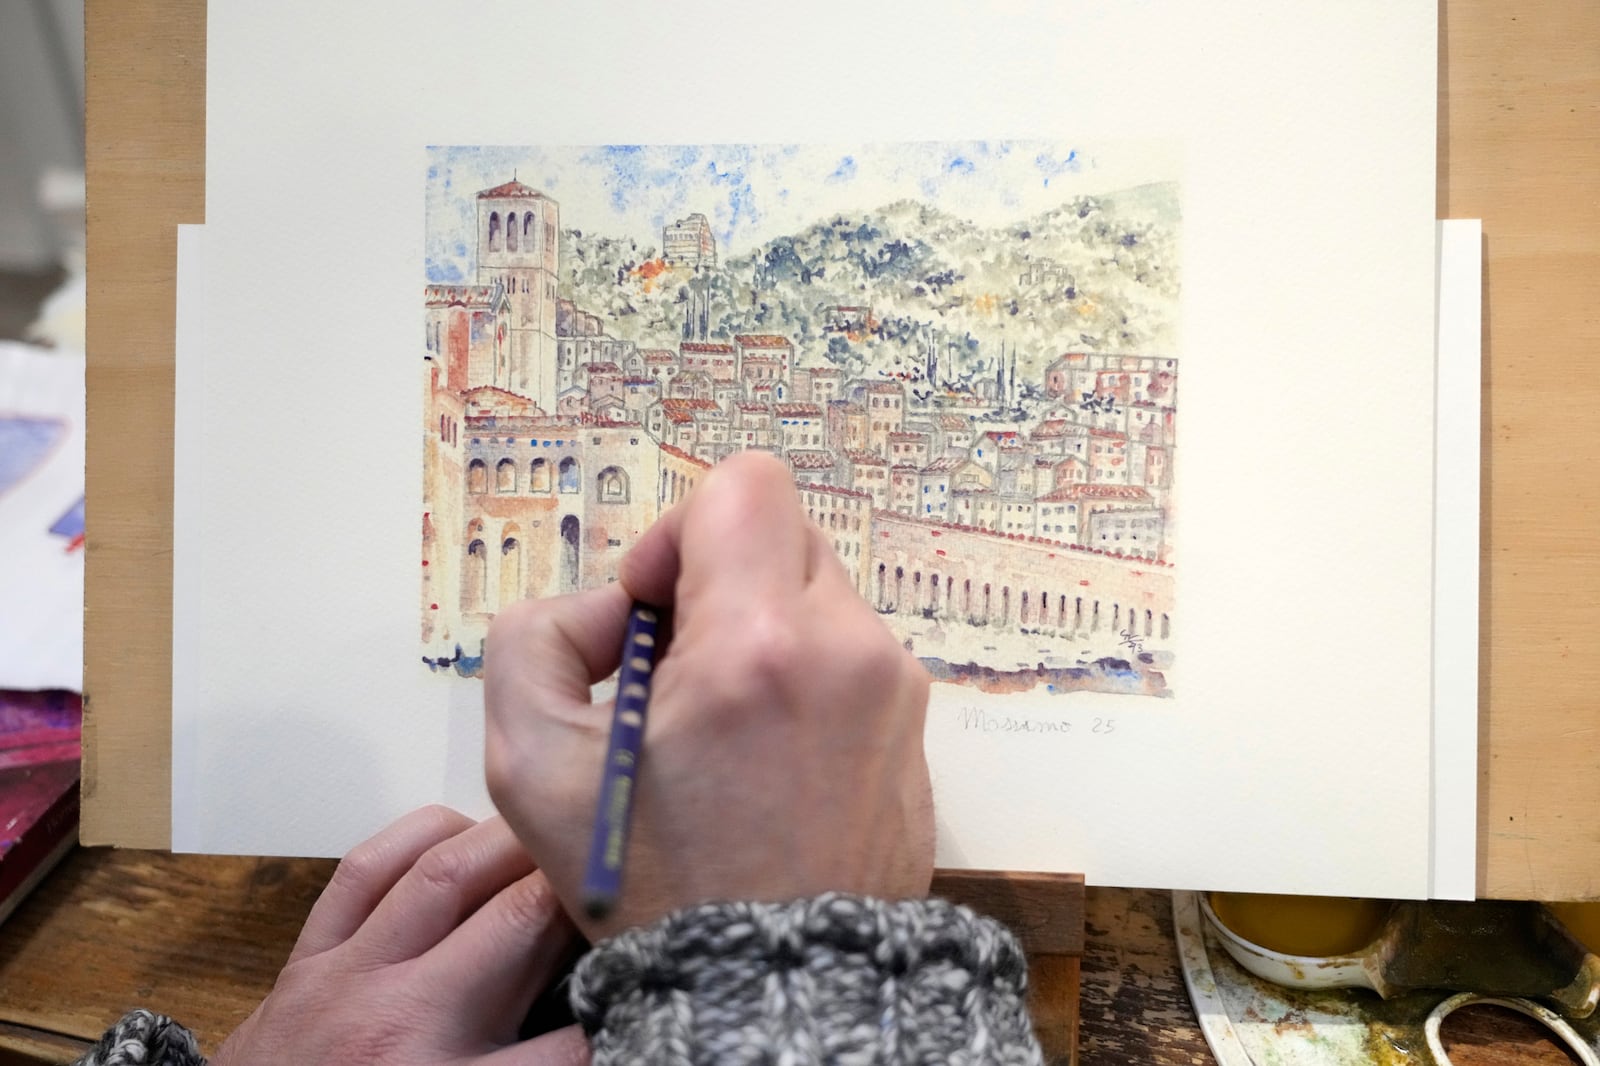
(554, 649)
(542, 657)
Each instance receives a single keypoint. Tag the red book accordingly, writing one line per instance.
(40, 744)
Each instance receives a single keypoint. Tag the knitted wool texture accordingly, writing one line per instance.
(142, 1038)
(837, 979)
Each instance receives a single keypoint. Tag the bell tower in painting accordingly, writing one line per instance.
(519, 234)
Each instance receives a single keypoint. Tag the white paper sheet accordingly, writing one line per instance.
(1295, 758)
(41, 518)
(188, 587)
(1455, 569)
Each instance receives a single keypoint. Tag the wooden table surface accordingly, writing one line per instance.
(203, 937)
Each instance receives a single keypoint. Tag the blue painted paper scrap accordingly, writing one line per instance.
(25, 443)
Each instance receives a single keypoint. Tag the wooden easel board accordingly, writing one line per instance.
(1517, 98)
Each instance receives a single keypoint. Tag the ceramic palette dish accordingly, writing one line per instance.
(1325, 1012)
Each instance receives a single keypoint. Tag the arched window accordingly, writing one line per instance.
(510, 572)
(511, 232)
(568, 474)
(528, 232)
(1005, 605)
(933, 595)
(494, 231)
(899, 583)
(881, 571)
(613, 485)
(477, 476)
(539, 476)
(475, 579)
(505, 476)
(570, 571)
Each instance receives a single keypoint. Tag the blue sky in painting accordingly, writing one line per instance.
(752, 193)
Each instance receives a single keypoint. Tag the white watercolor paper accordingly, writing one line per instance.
(1295, 756)
(1455, 572)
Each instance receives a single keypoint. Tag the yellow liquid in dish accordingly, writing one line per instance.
(1582, 921)
(1302, 925)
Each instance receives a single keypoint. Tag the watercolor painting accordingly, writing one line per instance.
(967, 354)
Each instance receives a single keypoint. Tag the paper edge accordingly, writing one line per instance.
(1453, 872)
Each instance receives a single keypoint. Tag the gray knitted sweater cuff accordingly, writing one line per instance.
(833, 979)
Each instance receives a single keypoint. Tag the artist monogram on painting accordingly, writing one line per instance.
(964, 352)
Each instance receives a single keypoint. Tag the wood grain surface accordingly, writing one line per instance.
(1520, 148)
(145, 128)
(1519, 111)
(202, 938)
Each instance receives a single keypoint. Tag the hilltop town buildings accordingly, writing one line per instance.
(549, 447)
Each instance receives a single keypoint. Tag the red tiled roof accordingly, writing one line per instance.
(658, 356)
(481, 390)
(834, 490)
(1114, 434)
(810, 459)
(908, 435)
(602, 368)
(640, 381)
(681, 454)
(511, 190)
(759, 408)
(866, 459)
(705, 347)
(797, 410)
(1131, 493)
(884, 386)
(762, 340)
(760, 360)
(941, 465)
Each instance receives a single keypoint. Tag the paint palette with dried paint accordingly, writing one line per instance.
(1258, 1004)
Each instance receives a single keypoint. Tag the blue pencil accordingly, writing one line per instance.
(602, 881)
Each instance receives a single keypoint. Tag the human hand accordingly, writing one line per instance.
(429, 944)
(783, 749)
